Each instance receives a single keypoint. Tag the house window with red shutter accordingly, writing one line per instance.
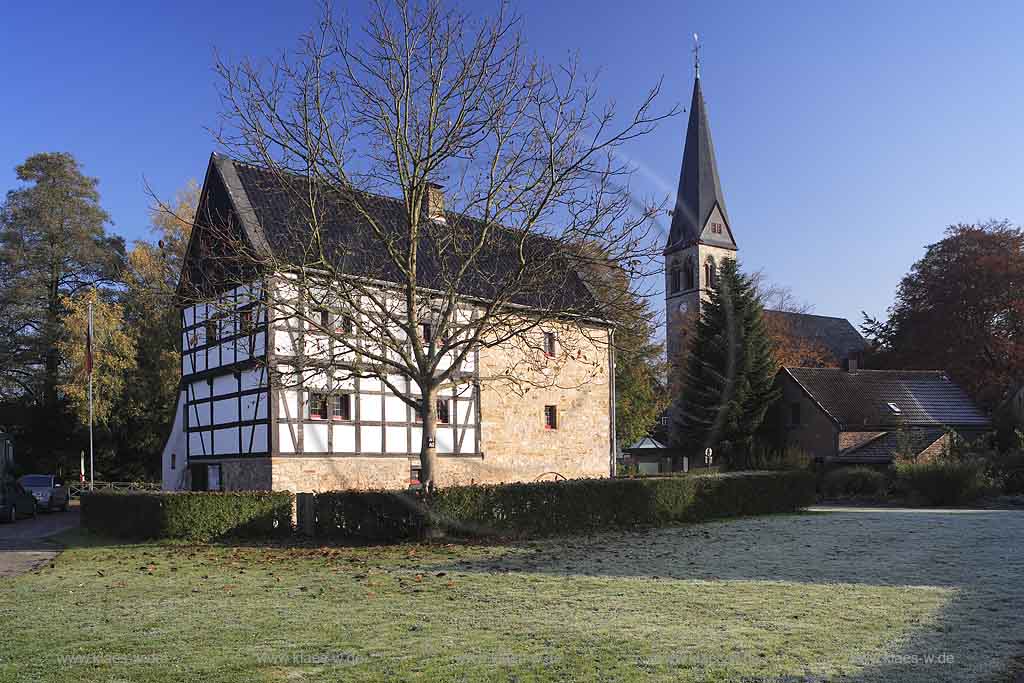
(550, 417)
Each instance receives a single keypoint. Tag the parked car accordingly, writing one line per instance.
(49, 491)
(15, 501)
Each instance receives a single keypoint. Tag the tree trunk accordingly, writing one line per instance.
(428, 445)
(428, 456)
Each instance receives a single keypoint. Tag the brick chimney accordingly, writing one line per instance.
(433, 206)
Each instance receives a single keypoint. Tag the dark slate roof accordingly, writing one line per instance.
(837, 335)
(699, 188)
(860, 399)
(274, 218)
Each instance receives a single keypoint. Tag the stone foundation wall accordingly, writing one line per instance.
(303, 475)
(246, 474)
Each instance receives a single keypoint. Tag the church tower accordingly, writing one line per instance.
(701, 236)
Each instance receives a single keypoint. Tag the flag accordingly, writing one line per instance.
(88, 344)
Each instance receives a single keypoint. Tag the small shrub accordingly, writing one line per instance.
(190, 515)
(854, 482)
(1006, 470)
(943, 482)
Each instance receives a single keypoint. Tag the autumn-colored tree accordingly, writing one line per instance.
(113, 356)
(151, 278)
(789, 346)
(961, 309)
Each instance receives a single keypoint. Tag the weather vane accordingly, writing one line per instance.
(696, 54)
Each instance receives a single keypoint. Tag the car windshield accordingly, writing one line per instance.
(36, 480)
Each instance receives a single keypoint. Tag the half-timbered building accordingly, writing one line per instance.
(263, 405)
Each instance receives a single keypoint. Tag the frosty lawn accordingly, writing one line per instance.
(842, 595)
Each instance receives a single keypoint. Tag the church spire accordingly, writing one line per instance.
(699, 189)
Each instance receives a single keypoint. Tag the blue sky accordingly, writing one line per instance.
(848, 134)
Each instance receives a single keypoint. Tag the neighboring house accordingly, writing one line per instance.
(239, 426)
(865, 416)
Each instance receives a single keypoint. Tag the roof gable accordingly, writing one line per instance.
(716, 230)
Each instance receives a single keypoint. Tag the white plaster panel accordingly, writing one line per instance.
(369, 408)
(289, 404)
(224, 384)
(396, 440)
(199, 415)
(286, 443)
(199, 443)
(370, 439)
(259, 344)
(344, 438)
(315, 438)
(468, 438)
(228, 353)
(254, 406)
(225, 441)
(445, 439)
(253, 378)
(200, 389)
(225, 411)
(394, 409)
(254, 439)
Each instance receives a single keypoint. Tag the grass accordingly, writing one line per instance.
(786, 598)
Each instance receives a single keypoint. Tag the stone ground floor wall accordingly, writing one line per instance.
(522, 466)
(246, 474)
(313, 474)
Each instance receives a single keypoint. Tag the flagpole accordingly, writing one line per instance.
(92, 471)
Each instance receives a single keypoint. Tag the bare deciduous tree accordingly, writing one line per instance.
(534, 216)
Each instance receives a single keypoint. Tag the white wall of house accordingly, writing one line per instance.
(174, 459)
(224, 379)
(379, 422)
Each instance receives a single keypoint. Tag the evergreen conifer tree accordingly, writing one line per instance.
(729, 375)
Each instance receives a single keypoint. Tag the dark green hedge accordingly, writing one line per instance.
(543, 508)
(196, 516)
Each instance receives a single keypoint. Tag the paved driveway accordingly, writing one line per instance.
(26, 543)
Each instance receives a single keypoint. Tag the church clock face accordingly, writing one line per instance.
(683, 307)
